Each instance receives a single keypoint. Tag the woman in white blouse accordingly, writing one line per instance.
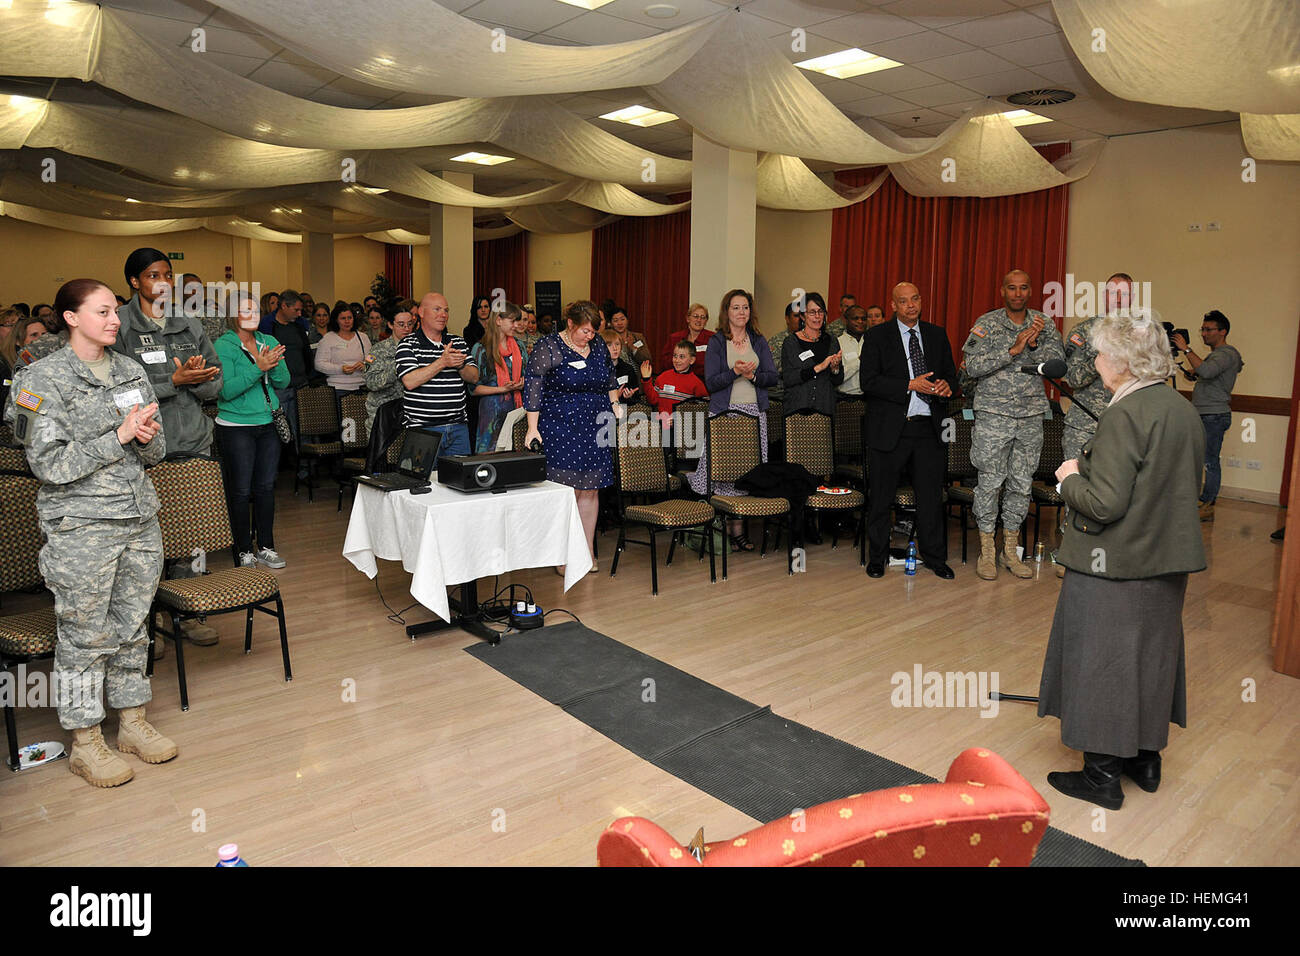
(341, 354)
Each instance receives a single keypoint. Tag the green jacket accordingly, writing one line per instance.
(189, 430)
(1133, 503)
(242, 399)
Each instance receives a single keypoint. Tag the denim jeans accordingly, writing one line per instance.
(1215, 427)
(250, 455)
(455, 439)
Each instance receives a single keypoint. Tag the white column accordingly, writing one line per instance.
(723, 183)
(451, 254)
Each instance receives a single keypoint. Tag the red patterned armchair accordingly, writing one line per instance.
(984, 814)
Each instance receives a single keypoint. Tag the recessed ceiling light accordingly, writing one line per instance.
(1025, 118)
(661, 11)
(640, 116)
(482, 159)
(849, 63)
(587, 4)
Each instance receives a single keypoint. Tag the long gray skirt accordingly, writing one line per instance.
(1114, 671)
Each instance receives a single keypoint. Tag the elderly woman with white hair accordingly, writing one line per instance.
(1114, 671)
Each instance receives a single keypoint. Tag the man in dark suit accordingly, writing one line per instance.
(907, 375)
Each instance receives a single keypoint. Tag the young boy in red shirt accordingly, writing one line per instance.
(677, 383)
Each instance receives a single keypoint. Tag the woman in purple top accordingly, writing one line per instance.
(738, 371)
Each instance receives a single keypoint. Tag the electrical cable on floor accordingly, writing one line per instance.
(394, 616)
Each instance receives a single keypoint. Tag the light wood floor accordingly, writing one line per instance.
(437, 746)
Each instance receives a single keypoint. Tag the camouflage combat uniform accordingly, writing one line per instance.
(103, 552)
(1009, 407)
(381, 378)
(1081, 356)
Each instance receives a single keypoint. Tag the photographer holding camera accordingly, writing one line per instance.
(1214, 376)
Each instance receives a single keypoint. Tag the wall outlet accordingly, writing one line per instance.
(1253, 464)
(1193, 227)
(1234, 462)
(1213, 226)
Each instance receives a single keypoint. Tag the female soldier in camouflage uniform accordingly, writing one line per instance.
(88, 418)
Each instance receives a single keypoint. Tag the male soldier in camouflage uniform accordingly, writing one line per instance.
(91, 429)
(1009, 407)
(381, 367)
(792, 319)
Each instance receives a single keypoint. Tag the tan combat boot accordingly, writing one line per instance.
(135, 735)
(1013, 564)
(90, 758)
(987, 565)
(1206, 511)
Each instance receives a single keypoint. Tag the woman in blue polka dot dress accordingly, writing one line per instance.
(571, 394)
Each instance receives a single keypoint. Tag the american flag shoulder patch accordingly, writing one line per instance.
(1077, 339)
(28, 400)
(978, 330)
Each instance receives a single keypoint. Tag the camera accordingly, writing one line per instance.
(1170, 331)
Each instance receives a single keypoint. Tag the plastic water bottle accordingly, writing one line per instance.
(909, 566)
(229, 855)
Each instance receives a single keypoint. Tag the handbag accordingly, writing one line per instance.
(278, 418)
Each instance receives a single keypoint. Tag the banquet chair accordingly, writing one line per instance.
(639, 466)
(983, 814)
(29, 636)
(809, 441)
(850, 444)
(960, 470)
(195, 522)
(354, 437)
(319, 437)
(733, 441)
(1042, 493)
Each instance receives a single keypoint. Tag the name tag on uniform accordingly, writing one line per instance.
(126, 400)
(805, 355)
(578, 364)
(968, 414)
(637, 345)
(667, 388)
(157, 357)
(622, 380)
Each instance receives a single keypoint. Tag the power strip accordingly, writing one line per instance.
(525, 616)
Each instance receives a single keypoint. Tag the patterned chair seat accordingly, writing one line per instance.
(28, 635)
(229, 588)
(750, 507)
(960, 494)
(322, 448)
(357, 465)
(824, 502)
(1046, 494)
(905, 497)
(14, 459)
(673, 513)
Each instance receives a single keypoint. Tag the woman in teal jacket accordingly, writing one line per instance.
(253, 368)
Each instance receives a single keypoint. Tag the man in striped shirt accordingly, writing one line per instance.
(434, 367)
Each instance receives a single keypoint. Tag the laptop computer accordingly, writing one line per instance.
(414, 465)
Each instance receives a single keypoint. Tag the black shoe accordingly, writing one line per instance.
(1098, 782)
(1144, 770)
(875, 570)
(940, 569)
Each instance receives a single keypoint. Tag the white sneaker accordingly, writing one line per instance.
(270, 558)
(247, 559)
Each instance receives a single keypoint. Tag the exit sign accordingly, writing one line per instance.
(175, 255)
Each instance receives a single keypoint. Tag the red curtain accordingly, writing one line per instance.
(955, 251)
(643, 263)
(502, 264)
(397, 269)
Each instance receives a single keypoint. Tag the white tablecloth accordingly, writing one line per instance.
(447, 537)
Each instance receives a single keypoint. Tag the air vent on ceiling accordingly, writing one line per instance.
(1040, 97)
